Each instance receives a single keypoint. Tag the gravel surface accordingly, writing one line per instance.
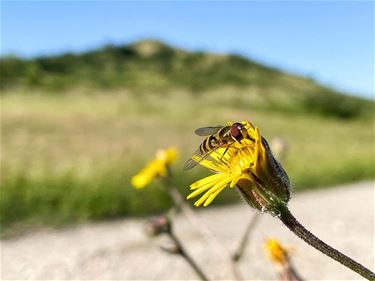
(342, 217)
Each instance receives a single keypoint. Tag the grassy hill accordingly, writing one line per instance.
(76, 127)
(151, 66)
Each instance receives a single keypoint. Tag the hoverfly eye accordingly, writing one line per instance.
(235, 131)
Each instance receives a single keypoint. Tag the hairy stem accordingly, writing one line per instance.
(298, 229)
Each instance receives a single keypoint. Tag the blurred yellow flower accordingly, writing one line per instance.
(276, 252)
(249, 165)
(155, 168)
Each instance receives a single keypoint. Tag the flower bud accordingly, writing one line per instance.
(269, 184)
(156, 226)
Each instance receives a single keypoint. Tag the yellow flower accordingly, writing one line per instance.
(250, 166)
(155, 168)
(277, 253)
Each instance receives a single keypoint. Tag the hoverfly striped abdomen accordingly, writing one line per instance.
(210, 143)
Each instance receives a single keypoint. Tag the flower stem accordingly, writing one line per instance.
(187, 257)
(245, 238)
(298, 229)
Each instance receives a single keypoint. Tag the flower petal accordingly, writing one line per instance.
(218, 186)
(211, 180)
(215, 166)
(213, 196)
(209, 185)
(234, 181)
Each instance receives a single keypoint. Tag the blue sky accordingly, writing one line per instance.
(333, 42)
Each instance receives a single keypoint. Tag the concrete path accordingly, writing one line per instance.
(342, 217)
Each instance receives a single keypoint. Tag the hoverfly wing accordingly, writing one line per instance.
(206, 131)
(191, 163)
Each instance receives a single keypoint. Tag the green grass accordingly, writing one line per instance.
(69, 158)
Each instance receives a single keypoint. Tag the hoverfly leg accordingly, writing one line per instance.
(221, 158)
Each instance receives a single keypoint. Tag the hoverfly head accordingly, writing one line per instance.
(236, 131)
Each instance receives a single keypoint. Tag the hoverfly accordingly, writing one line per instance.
(216, 137)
